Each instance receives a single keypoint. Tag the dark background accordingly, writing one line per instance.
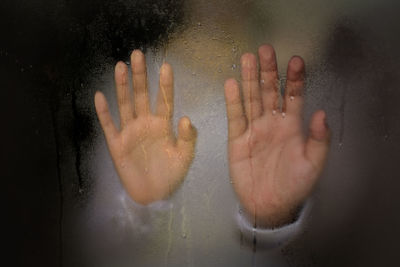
(51, 50)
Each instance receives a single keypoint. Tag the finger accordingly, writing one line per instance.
(318, 141)
(139, 78)
(234, 109)
(165, 99)
(251, 89)
(293, 99)
(123, 94)
(186, 138)
(103, 113)
(269, 78)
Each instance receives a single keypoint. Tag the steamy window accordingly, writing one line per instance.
(151, 183)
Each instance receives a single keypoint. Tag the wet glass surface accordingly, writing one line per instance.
(68, 206)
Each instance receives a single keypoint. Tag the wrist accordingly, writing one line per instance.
(272, 218)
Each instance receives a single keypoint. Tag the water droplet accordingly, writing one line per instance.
(291, 98)
(184, 235)
(283, 114)
(234, 66)
(273, 112)
(199, 24)
(194, 73)
(262, 81)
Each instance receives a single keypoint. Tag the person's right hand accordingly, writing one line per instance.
(272, 165)
(150, 161)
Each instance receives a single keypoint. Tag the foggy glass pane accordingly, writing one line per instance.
(69, 207)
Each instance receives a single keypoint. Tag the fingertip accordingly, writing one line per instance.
(121, 68)
(267, 57)
(266, 52)
(165, 68)
(97, 95)
(296, 68)
(138, 62)
(137, 55)
(248, 60)
(320, 113)
(185, 123)
(320, 116)
(230, 83)
(319, 126)
(166, 73)
(231, 89)
(99, 100)
(186, 130)
(296, 63)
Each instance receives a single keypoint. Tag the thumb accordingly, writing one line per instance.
(186, 138)
(317, 145)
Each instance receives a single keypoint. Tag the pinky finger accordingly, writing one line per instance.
(105, 118)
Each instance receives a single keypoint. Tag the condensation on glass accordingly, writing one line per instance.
(350, 54)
